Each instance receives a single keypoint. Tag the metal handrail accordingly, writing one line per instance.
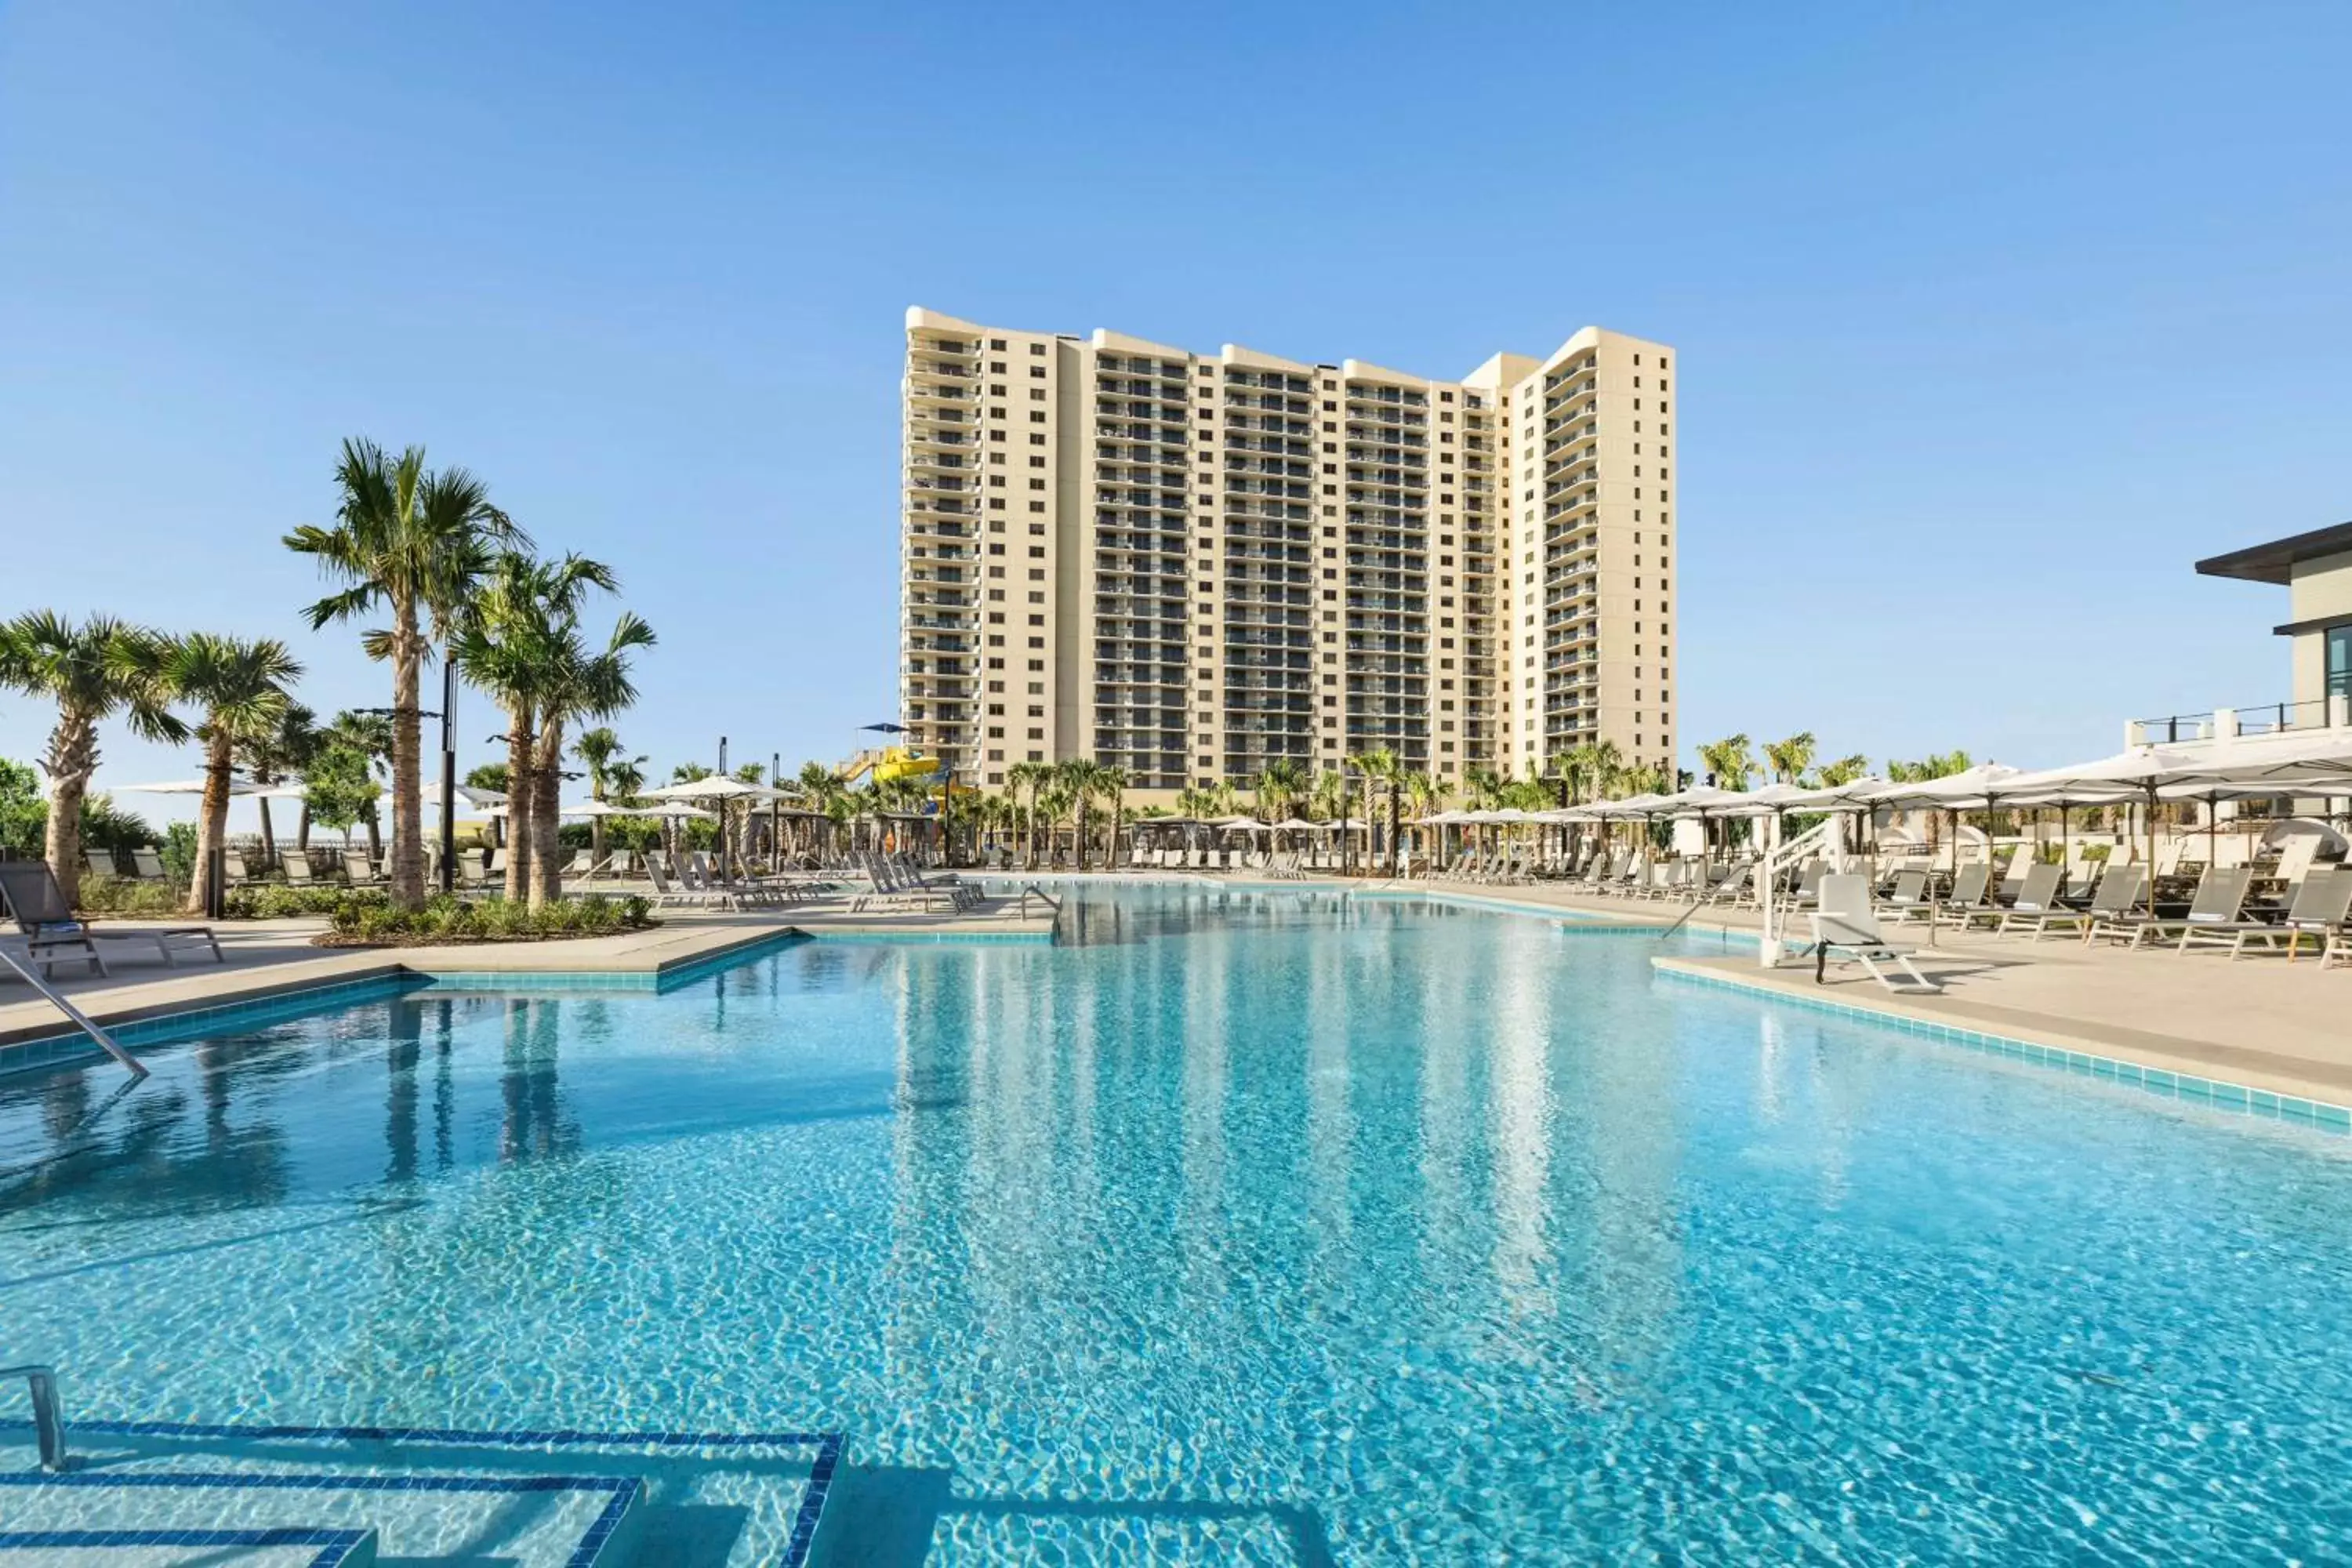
(1042, 896)
(49, 1419)
(80, 1019)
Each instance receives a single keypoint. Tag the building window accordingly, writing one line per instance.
(2339, 661)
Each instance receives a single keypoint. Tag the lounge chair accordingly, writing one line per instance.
(1844, 924)
(147, 864)
(357, 871)
(1907, 897)
(298, 869)
(2321, 901)
(2036, 896)
(98, 862)
(2220, 897)
(233, 871)
(47, 921)
(2119, 890)
(473, 871)
(1967, 894)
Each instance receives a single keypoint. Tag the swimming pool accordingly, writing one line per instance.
(1267, 1227)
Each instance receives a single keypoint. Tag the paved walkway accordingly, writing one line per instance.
(2262, 1023)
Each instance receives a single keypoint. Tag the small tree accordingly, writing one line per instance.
(340, 789)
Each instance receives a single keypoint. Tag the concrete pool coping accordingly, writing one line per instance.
(278, 964)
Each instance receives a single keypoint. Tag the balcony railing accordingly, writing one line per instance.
(2334, 711)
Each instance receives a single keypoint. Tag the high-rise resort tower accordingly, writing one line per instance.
(1188, 565)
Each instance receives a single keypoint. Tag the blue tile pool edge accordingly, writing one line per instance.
(621, 1492)
(2217, 1093)
(336, 1546)
(823, 1467)
(68, 1045)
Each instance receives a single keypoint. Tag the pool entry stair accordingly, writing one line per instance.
(149, 1493)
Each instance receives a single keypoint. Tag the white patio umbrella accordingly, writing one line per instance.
(717, 790)
(2302, 760)
(239, 789)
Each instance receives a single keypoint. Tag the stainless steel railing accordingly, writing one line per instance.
(49, 1420)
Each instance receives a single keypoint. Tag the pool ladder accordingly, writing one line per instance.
(80, 1019)
(49, 1420)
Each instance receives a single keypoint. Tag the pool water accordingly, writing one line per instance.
(1277, 1227)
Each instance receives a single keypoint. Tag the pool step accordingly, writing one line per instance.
(291, 1546)
(529, 1498)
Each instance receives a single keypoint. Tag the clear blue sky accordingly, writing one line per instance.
(1992, 319)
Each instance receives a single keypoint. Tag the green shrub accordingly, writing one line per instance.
(448, 918)
(277, 901)
(179, 853)
(124, 896)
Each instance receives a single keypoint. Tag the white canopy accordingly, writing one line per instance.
(716, 786)
(1977, 789)
(1239, 825)
(239, 789)
(473, 795)
(1300, 825)
(1852, 796)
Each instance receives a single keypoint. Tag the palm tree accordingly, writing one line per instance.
(1788, 759)
(93, 671)
(413, 544)
(585, 684)
(1279, 787)
(505, 647)
(1729, 760)
(239, 688)
(1843, 771)
(1381, 766)
(1323, 794)
(275, 757)
(1598, 763)
(1032, 778)
(600, 751)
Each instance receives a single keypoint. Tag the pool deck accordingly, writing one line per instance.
(2261, 1023)
(268, 958)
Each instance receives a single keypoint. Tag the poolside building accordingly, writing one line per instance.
(2315, 569)
(1191, 565)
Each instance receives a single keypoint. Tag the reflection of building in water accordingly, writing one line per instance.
(1521, 1111)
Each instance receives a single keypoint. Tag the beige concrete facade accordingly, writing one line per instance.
(1189, 566)
(2315, 569)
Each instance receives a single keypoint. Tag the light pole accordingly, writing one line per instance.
(449, 773)
(1347, 840)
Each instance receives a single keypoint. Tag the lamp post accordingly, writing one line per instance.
(449, 877)
(1347, 840)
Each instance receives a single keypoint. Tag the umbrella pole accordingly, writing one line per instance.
(2151, 851)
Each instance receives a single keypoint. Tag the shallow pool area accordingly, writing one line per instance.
(1276, 1226)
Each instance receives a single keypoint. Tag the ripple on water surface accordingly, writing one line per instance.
(1236, 1229)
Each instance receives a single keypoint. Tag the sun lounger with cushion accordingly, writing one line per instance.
(2321, 901)
(2220, 897)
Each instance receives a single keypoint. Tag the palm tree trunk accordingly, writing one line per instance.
(268, 828)
(302, 830)
(520, 801)
(73, 757)
(407, 802)
(212, 819)
(1082, 832)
